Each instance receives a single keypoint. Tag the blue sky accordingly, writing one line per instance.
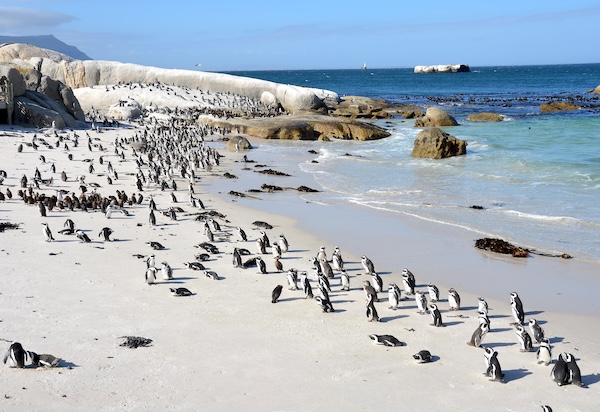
(255, 35)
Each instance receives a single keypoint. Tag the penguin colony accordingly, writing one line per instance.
(172, 158)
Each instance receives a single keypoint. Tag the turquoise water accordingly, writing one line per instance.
(536, 175)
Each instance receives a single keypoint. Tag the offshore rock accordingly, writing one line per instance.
(485, 117)
(558, 106)
(436, 144)
(361, 107)
(443, 68)
(436, 117)
(303, 127)
(237, 143)
(500, 246)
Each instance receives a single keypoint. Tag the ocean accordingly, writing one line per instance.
(536, 175)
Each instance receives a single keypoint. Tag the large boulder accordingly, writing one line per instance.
(125, 110)
(558, 106)
(88, 73)
(15, 78)
(436, 117)
(237, 143)
(596, 90)
(38, 110)
(306, 127)
(359, 107)
(436, 144)
(485, 117)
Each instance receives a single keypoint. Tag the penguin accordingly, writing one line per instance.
(180, 292)
(483, 318)
(453, 299)
(277, 263)
(209, 234)
(394, 296)
(370, 291)
(371, 311)
(194, 265)
(494, 371)
(275, 249)
(536, 330)
(166, 271)
(151, 275)
(326, 305)
(242, 234)
(323, 293)
(42, 209)
(421, 300)
(544, 352)
(211, 274)
(337, 262)
(48, 361)
(237, 258)
(386, 340)
(478, 335)
(283, 244)
(423, 356)
(560, 371)
(367, 264)
(435, 315)
(482, 305)
(47, 233)
(321, 254)
(408, 280)
(260, 245)
(265, 238)
(517, 308)
(15, 355)
(377, 282)
(345, 280)
(326, 268)
(106, 232)
(262, 267)
(546, 408)
(574, 372)
(308, 293)
(276, 293)
(292, 278)
(81, 235)
(324, 282)
(150, 261)
(152, 218)
(215, 225)
(434, 292)
(524, 339)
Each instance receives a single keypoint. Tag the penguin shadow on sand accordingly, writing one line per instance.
(453, 323)
(469, 308)
(591, 379)
(391, 318)
(515, 374)
(290, 299)
(500, 344)
(535, 312)
(494, 330)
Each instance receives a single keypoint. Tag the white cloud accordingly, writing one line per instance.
(15, 19)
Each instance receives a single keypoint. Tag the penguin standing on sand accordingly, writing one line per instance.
(393, 296)
(524, 339)
(544, 352)
(277, 263)
(478, 335)
(242, 234)
(367, 264)
(321, 254)
(325, 303)
(237, 258)
(560, 371)
(371, 311)
(260, 246)
(377, 282)
(150, 261)
(81, 235)
(421, 300)
(453, 299)
(166, 271)
(336, 260)
(106, 232)
(42, 208)
(326, 268)
(292, 278)
(434, 292)
(494, 371)
(276, 249)
(276, 293)
(345, 280)
(536, 330)
(308, 293)
(152, 218)
(47, 233)
(482, 305)
(408, 279)
(370, 291)
(283, 244)
(151, 275)
(262, 267)
(265, 238)
(574, 372)
(436, 316)
(517, 308)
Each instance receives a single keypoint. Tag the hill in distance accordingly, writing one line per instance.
(47, 42)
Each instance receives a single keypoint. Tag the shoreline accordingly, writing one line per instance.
(228, 346)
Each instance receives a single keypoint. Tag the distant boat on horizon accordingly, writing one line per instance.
(364, 66)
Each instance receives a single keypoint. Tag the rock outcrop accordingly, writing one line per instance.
(443, 68)
(558, 106)
(596, 90)
(436, 144)
(436, 117)
(125, 110)
(87, 73)
(306, 127)
(238, 143)
(485, 117)
(362, 107)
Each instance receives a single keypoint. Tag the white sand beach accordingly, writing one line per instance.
(227, 347)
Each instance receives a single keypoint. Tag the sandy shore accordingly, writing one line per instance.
(227, 346)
